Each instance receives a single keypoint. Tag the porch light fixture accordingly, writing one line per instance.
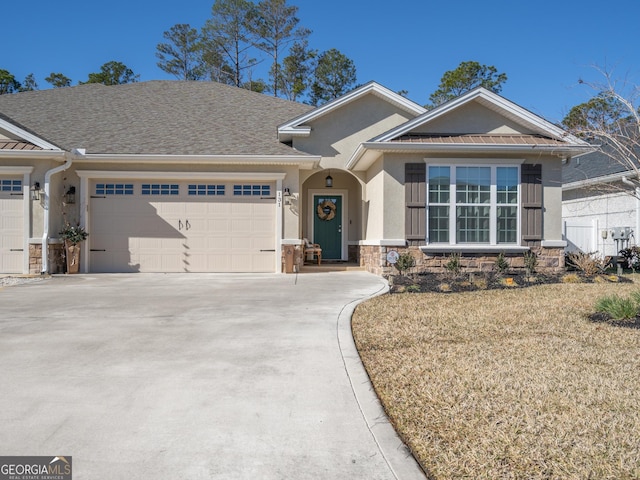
(35, 191)
(287, 192)
(70, 196)
(328, 182)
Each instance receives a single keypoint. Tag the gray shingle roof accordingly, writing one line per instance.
(157, 117)
(591, 166)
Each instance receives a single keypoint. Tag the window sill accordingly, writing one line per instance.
(440, 248)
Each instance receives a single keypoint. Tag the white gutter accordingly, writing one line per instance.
(47, 205)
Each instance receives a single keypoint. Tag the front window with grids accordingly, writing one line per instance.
(472, 204)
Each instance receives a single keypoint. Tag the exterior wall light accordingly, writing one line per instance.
(70, 196)
(35, 191)
(328, 182)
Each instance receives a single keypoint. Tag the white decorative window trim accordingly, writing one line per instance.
(204, 189)
(114, 189)
(452, 204)
(252, 190)
(160, 189)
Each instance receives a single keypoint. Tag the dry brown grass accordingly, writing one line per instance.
(507, 383)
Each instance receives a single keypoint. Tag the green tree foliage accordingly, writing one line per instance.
(181, 55)
(227, 40)
(29, 84)
(58, 80)
(335, 75)
(113, 73)
(8, 83)
(601, 111)
(274, 25)
(296, 71)
(467, 76)
(256, 86)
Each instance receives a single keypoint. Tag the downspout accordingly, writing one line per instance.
(47, 207)
(626, 181)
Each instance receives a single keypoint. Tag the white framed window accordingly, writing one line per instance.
(114, 189)
(206, 190)
(252, 190)
(473, 204)
(160, 189)
(8, 185)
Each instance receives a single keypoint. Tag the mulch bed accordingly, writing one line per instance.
(469, 282)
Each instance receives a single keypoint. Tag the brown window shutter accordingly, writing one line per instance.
(415, 185)
(531, 179)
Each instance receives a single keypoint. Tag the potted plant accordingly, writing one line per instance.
(72, 236)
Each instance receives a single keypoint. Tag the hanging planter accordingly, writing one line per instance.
(73, 236)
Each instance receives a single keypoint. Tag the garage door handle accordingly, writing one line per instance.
(16, 250)
(273, 250)
(97, 249)
(187, 224)
(179, 224)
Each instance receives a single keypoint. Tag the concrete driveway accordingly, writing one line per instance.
(197, 376)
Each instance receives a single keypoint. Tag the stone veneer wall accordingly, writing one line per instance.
(56, 258)
(374, 260)
(298, 259)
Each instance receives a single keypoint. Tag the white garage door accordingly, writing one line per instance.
(182, 226)
(11, 225)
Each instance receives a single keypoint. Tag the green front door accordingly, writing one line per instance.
(327, 225)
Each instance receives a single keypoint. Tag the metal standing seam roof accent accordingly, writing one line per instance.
(18, 145)
(478, 139)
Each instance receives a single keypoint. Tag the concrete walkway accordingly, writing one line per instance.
(197, 376)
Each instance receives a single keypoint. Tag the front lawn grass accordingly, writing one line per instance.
(507, 383)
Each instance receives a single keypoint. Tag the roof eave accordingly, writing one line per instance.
(490, 100)
(305, 162)
(362, 158)
(59, 155)
(371, 87)
(588, 182)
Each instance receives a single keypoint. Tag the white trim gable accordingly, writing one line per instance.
(298, 127)
(29, 137)
(492, 101)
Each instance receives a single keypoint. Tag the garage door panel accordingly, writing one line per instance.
(11, 226)
(183, 233)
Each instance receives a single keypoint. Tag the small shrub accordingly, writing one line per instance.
(454, 265)
(587, 263)
(617, 307)
(405, 262)
(631, 257)
(413, 288)
(571, 278)
(480, 283)
(444, 287)
(530, 262)
(502, 265)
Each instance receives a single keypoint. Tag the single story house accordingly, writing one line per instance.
(600, 204)
(171, 176)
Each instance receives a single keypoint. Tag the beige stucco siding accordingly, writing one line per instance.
(472, 118)
(336, 136)
(385, 194)
(552, 199)
(374, 202)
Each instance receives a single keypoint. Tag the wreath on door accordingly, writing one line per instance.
(326, 210)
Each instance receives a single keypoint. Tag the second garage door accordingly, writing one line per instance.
(182, 227)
